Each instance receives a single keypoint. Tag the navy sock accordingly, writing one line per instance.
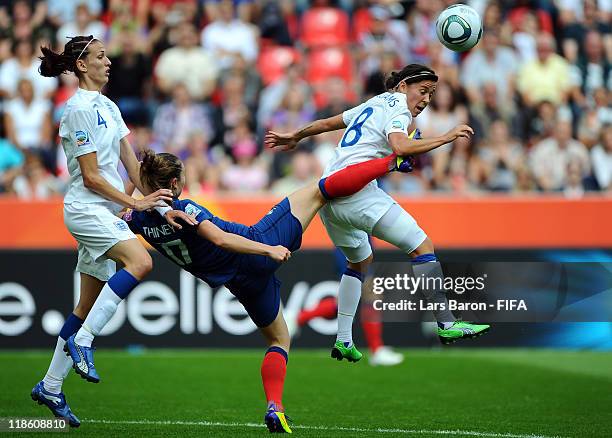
(122, 283)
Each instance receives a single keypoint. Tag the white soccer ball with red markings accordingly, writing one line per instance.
(459, 27)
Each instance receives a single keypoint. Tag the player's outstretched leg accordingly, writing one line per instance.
(355, 177)
(138, 264)
(400, 229)
(273, 372)
(48, 391)
(380, 354)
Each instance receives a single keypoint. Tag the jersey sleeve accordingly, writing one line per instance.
(398, 120)
(195, 210)
(350, 114)
(81, 124)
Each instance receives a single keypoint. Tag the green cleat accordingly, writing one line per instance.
(341, 351)
(462, 330)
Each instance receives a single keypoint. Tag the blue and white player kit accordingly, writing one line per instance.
(249, 277)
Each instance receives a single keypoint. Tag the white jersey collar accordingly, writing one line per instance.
(91, 95)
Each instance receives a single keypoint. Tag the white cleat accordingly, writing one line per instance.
(291, 318)
(386, 357)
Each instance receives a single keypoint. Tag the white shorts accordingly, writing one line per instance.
(96, 230)
(349, 221)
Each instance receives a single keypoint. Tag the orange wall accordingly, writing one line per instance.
(487, 222)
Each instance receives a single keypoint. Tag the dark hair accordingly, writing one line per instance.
(157, 170)
(411, 73)
(54, 64)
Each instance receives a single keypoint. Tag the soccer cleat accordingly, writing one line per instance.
(82, 358)
(461, 330)
(386, 357)
(55, 402)
(276, 420)
(406, 164)
(346, 350)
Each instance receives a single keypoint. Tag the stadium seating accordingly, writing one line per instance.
(327, 62)
(324, 26)
(274, 60)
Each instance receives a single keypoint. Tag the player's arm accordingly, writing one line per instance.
(289, 140)
(97, 183)
(403, 145)
(240, 244)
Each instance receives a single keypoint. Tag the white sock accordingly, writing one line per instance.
(58, 369)
(348, 300)
(102, 311)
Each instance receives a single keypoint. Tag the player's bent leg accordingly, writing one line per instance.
(138, 263)
(273, 372)
(425, 263)
(305, 203)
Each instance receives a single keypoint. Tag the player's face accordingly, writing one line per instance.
(96, 65)
(418, 95)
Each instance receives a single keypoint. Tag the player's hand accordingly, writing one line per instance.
(155, 199)
(279, 253)
(285, 142)
(459, 131)
(172, 216)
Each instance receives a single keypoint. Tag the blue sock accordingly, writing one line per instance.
(122, 283)
(71, 326)
(424, 258)
(280, 351)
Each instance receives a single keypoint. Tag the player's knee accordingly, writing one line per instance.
(361, 266)
(141, 266)
(427, 247)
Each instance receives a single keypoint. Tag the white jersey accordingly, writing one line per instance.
(368, 128)
(92, 123)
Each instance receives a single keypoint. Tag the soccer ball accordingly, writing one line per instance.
(459, 27)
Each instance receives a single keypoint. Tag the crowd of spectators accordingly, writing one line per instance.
(205, 79)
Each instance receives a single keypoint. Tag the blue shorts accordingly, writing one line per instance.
(255, 285)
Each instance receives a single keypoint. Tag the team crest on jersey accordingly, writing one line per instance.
(82, 138)
(397, 124)
(192, 210)
(128, 215)
(121, 225)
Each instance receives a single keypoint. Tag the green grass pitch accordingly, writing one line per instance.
(449, 392)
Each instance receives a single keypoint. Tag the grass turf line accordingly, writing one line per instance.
(504, 392)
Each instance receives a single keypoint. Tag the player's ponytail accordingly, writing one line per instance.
(54, 64)
(410, 74)
(157, 170)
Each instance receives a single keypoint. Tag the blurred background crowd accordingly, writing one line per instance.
(205, 79)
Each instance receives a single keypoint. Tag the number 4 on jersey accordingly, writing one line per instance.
(356, 128)
(101, 121)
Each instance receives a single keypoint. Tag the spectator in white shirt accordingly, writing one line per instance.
(187, 63)
(24, 64)
(227, 36)
(84, 24)
(550, 157)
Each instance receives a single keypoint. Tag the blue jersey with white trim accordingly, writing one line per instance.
(184, 247)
